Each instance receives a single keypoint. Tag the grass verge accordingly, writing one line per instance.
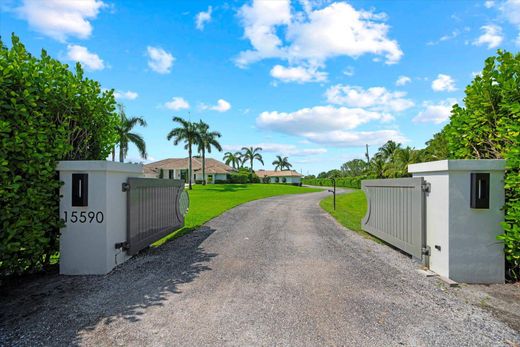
(350, 210)
(210, 201)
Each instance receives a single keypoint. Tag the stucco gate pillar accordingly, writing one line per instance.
(93, 206)
(463, 215)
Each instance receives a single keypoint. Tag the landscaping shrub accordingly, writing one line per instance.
(48, 114)
(345, 182)
(488, 127)
(266, 179)
(239, 178)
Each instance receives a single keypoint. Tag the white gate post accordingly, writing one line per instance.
(463, 215)
(94, 208)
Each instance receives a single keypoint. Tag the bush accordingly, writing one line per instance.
(284, 180)
(221, 181)
(238, 178)
(346, 182)
(266, 179)
(48, 114)
(488, 127)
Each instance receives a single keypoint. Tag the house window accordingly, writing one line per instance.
(170, 174)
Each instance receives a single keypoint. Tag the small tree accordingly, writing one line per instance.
(207, 140)
(281, 163)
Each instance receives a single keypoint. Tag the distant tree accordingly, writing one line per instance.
(377, 166)
(233, 158)
(322, 174)
(188, 133)
(206, 141)
(334, 173)
(281, 163)
(388, 150)
(251, 154)
(355, 167)
(437, 147)
(126, 136)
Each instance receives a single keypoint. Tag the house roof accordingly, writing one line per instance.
(282, 173)
(213, 166)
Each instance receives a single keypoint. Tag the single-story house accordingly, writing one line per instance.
(283, 176)
(177, 168)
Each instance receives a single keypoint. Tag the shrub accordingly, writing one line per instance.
(346, 182)
(238, 178)
(284, 180)
(488, 127)
(266, 179)
(221, 181)
(48, 114)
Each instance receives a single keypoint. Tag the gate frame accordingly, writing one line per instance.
(418, 206)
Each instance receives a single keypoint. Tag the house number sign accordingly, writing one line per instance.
(84, 217)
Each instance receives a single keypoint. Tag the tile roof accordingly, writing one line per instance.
(213, 166)
(283, 173)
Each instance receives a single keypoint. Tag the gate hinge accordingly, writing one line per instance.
(125, 187)
(123, 245)
(426, 250)
(426, 187)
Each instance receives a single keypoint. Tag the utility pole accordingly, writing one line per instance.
(366, 154)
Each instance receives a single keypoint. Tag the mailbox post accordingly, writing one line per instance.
(93, 206)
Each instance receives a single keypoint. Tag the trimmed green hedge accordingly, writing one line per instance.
(48, 113)
(345, 182)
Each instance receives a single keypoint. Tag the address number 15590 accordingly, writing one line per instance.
(83, 217)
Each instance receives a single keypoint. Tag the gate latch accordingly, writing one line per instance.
(123, 245)
(426, 187)
(426, 250)
(125, 187)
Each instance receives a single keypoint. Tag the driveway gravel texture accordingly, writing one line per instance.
(272, 272)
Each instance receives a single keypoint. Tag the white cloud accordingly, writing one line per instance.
(128, 95)
(403, 80)
(298, 74)
(492, 36)
(511, 10)
(340, 138)
(60, 19)
(202, 18)
(221, 106)
(489, 4)
(314, 36)
(375, 98)
(329, 125)
(81, 54)
(159, 60)
(316, 119)
(177, 103)
(443, 83)
(281, 149)
(435, 112)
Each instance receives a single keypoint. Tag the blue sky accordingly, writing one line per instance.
(311, 80)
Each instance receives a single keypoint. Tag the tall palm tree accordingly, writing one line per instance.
(233, 158)
(125, 135)
(281, 163)
(389, 149)
(207, 140)
(188, 133)
(252, 154)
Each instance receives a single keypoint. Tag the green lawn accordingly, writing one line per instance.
(207, 202)
(350, 210)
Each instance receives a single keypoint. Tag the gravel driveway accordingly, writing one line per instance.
(273, 272)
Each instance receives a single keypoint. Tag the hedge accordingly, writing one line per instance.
(345, 182)
(48, 113)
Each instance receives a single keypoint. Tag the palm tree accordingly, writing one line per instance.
(125, 136)
(233, 158)
(187, 132)
(281, 163)
(207, 140)
(389, 149)
(252, 154)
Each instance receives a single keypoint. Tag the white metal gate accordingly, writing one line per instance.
(396, 212)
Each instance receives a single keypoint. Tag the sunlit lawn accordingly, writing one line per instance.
(350, 210)
(210, 201)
